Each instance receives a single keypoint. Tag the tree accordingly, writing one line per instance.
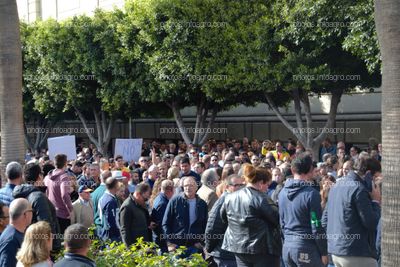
(37, 125)
(173, 39)
(12, 133)
(387, 13)
(292, 54)
(81, 70)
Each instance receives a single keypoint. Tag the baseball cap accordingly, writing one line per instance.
(84, 188)
(117, 175)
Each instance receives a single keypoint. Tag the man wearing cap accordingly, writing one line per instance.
(83, 207)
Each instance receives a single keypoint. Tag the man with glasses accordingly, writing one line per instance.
(193, 153)
(12, 237)
(4, 217)
(215, 227)
(214, 161)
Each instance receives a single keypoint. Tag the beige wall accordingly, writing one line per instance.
(31, 10)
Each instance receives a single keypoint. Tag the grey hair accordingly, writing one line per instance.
(167, 185)
(17, 207)
(209, 176)
(104, 176)
(13, 170)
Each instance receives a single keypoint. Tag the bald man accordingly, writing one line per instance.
(185, 219)
(12, 237)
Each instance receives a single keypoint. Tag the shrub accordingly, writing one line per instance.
(140, 254)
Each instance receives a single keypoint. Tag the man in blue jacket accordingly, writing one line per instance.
(300, 218)
(352, 215)
(109, 212)
(158, 211)
(185, 219)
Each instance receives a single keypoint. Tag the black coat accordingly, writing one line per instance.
(253, 223)
(134, 221)
(43, 209)
(215, 231)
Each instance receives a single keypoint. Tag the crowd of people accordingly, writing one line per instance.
(236, 202)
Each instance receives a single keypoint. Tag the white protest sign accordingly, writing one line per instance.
(62, 145)
(129, 149)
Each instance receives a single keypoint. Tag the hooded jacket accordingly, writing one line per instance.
(300, 216)
(58, 191)
(43, 209)
(351, 217)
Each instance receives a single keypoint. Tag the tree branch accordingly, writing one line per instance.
(199, 119)
(307, 110)
(98, 126)
(84, 123)
(210, 124)
(297, 108)
(179, 122)
(282, 119)
(335, 100)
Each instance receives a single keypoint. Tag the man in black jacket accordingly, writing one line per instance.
(300, 217)
(134, 217)
(43, 210)
(77, 244)
(352, 215)
(215, 228)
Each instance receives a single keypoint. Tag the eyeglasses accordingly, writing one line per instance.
(237, 185)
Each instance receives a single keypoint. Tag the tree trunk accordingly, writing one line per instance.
(12, 130)
(41, 132)
(387, 14)
(201, 132)
(309, 137)
(104, 129)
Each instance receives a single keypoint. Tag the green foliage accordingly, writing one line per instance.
(155, 52)
(180, 43)
(140, 254)
(362, 40)
(311, 35)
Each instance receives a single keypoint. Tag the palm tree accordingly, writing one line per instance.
(12, 132)
(387, 14)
